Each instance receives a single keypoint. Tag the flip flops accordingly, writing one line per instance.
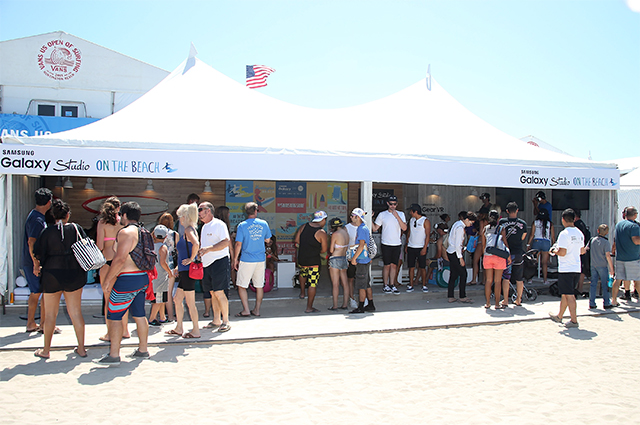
(211, 325)
(224, 328)
(189, 335)
(242, 315)
(313, 310)
(172, 332)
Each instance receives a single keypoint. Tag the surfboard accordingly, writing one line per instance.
(149, 205)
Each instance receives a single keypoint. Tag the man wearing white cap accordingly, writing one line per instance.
(312, 243)
(362, 261)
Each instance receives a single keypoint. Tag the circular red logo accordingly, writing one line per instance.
(59, 60)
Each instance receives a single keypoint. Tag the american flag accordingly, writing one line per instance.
(257, 75)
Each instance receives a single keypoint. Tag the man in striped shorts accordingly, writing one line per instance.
(126, 284)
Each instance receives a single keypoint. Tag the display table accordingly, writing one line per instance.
(285, 270)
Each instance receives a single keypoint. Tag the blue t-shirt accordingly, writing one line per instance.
(547, 207)
(33, 227)
(363, 234)
(626, 250)
(252, 233)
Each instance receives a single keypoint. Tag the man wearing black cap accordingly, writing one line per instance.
(417, 244)
(540, 202)
(393, 223)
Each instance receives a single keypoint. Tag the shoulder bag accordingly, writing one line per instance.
(494, 250)
(87, 253)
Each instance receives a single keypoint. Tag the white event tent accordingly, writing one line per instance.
(629, 193)
(198, 123)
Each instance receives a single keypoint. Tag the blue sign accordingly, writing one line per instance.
(35, 125)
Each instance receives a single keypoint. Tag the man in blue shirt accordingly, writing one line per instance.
(361, 260)
(627, 251)
(33, 227)
(540, 203)
(250, 239)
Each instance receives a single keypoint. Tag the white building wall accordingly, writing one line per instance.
(91, 74)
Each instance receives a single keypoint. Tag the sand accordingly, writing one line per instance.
(529, 372)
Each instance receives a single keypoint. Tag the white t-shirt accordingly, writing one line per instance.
(351, 230)
(212, 233)
(417, 235)
(572, 240)
(391, 230)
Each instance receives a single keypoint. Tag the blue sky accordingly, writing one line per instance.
(567, 72)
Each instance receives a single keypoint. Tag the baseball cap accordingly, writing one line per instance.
(336, 222)
(319, 216)
(416, 208)
(359, 212)
(160, 231)
(392, 198)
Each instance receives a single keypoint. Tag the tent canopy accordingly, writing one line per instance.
(416, 136)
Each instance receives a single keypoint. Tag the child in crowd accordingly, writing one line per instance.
(601, 263)
(161, 283)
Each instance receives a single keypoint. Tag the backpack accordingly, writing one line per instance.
(143, 255)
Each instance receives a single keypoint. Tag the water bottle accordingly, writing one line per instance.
(610, 282)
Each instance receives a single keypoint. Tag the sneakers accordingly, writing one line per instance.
(369, 308)
(138, 355)
(592, 307)
(627, 295)
(387, 289)
(155, 322)
(107, 360)
(608, 307)
(357, 311)
(409, 288)
(555, 318)
(571, 324)
(396, 291)
(546, 283)
(425, 289)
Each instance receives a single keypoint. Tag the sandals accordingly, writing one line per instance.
(172, 332)
(211, 325)
(224, 327)
(189, 335)
(75, 350)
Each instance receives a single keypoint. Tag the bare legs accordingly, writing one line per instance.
(545, 264)
(190, 297)
(568, 301)
(495, 276)
(32, 306)
(115, 333)
(244, 298)
(220, 307)
(73, 301)
(339, 277)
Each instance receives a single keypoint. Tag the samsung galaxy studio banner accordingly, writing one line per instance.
(266, 164)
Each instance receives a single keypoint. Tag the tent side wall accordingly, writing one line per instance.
(22, 202)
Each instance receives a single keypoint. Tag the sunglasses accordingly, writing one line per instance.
(393, 204)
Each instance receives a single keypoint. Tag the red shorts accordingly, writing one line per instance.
(494, 262)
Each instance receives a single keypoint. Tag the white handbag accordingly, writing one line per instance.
(87, 253)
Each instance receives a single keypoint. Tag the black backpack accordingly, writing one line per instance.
(143, 255)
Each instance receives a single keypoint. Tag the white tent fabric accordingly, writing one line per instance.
(629, 193)
(201, 109)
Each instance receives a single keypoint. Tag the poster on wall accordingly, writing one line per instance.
(286, 225)
(264, 194)
(291, 197)
(238, 193)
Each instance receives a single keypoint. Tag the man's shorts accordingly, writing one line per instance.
(351, 271)
(311, 273)
(217, 275)
(250, 272)
(362, 280)
(625, 270)
(413, 255)
(339, 263)
(128, 294)
(33, 281)
(391, 254)
(494, 262)
(567, 283)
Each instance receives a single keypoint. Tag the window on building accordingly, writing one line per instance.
(47, 110)
(70, 111)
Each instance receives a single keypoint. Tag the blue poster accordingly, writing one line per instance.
(35, 125)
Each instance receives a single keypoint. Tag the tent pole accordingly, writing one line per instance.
(366, 201)
(11, 279)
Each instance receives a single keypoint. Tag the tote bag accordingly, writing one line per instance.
(87, 253)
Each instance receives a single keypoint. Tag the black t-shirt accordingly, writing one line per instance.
(514, 228)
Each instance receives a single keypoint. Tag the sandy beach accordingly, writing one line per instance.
(526, 372)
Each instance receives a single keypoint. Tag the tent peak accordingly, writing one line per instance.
(191, 60)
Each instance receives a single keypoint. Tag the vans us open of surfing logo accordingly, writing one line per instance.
(59, 60)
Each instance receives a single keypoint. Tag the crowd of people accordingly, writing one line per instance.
(202, 249)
